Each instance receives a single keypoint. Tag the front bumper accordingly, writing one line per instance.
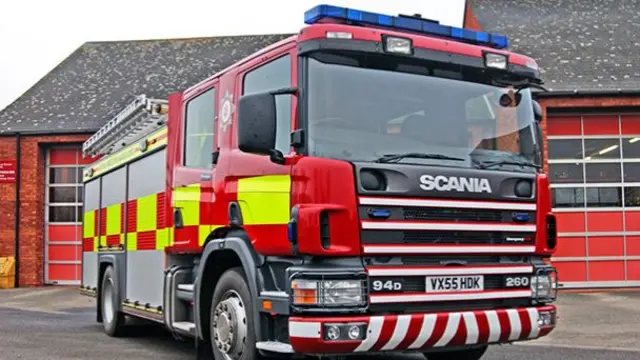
(420, 332)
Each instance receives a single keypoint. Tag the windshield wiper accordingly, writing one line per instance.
(392, 157)
(487, 164)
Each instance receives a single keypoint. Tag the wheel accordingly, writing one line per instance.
(468, 354)
(231, 318)
(112, 320)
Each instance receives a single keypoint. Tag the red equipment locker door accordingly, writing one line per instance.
(594, 168)
(63, 215)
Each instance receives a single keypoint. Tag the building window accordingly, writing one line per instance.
(604, 197)
(271, 76)
(64, 192)
(603, 172)
(565, 149)
(567, 198)
(632, 196)
(587, 169)
(199, 130)
(631, 172)
(631, 148)
(566, 173)
(602, 149)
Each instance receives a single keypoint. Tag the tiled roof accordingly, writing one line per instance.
(100, 78)
(581, 45)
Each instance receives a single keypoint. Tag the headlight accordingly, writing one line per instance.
(327, 292)
(544, 285)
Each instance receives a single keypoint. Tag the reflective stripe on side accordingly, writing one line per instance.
(265, 199)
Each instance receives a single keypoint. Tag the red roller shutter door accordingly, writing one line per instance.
(594, 167)
(63, 215)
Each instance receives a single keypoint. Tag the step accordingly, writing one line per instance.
(185, 287)
(275, 346)
(185, 327)
(185, 292)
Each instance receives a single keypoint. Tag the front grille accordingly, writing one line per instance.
(419, 213)
(461, 215)
(439, 259)
(428, 237)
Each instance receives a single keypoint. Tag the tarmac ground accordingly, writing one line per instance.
(58, 323)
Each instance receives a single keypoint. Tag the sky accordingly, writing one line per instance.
(36, 35)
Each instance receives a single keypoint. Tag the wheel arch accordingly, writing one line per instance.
(226, 248)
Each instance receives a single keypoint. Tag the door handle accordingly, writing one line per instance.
(205, 177)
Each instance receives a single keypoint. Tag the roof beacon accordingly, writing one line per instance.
(327, 13)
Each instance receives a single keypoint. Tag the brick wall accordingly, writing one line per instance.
(32, 166)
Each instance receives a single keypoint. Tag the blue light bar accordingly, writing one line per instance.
(321, 12)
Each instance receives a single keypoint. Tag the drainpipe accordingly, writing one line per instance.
(17, 213)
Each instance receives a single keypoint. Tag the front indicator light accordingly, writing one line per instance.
(305, 292)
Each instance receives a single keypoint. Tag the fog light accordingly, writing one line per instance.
(496, 61)
(354, 332)
(344, 331)
(333, 332)
(398, 45)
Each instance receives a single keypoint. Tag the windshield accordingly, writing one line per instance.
(365, 109)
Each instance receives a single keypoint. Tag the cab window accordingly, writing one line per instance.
(199, 130)
(271, 76)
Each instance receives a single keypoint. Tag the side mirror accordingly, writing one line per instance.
(537, 111)
(257, 123)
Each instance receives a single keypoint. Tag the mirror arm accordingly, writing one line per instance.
(276, 156)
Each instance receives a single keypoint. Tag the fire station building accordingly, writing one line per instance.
(591, 123)
(587, 54)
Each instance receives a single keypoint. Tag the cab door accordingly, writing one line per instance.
(194, 168)
(262, 188)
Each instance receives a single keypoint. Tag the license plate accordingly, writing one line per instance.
(454, 283)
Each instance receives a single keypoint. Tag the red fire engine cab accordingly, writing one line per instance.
(372, 184)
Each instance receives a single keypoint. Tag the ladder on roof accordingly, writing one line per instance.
(138, 119)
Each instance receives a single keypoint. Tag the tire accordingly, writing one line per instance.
(469, 354)
(113, 320)
(232, 290)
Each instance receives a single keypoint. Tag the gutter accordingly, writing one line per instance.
(577, 92)
(16, 229)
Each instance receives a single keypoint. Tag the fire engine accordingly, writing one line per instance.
(371, 184)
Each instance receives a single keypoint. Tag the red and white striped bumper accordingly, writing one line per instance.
(417, 332)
